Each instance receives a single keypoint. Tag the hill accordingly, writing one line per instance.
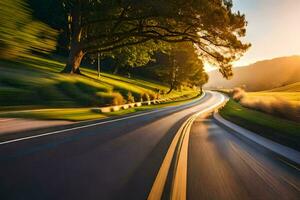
(262, 75)
(295, 87)
(289, 93)
(35, 83)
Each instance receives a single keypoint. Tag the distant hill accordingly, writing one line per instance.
(294, 87)
(262, 75)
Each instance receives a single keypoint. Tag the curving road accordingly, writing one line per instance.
(109, 159)
(222, 166)
(120, 158)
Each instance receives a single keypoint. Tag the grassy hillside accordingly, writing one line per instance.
(263, 75)
(289, 93)
(295, 87)
(282, 131)
(34, 83)
(267, 113)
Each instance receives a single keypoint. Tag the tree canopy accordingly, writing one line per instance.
(107, 25)
(181, 66)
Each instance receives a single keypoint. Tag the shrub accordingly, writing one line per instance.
(145, 97)
(130, 98)
(105, 99)
(152, 96)
(237, 94)
(157, 96)
(117, 99)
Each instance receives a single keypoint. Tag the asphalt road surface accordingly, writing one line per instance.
(116, 159)
(223, 166)
(120, 158)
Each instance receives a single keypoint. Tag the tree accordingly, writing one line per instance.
(137, 55)
(182, 66)
(106, 25)
(20, 33)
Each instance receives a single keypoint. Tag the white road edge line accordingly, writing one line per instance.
(84, 126)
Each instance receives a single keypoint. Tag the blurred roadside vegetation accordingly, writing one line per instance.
(22, 35)
(33, 47)
(280, 130)
(274, 114)
(35, 81)
(282, 102)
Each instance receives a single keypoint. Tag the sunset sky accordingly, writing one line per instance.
(273, 28)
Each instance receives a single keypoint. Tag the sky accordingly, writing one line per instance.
(273, 28)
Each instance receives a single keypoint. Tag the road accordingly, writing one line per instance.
(120, 158)
(222, 166)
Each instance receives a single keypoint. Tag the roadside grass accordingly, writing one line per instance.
(35, 82)
(277, 129)
(82, 114)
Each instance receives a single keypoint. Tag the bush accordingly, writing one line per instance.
(152, 96)
(145, 97)
(157, 96)
(130, 98)
(117, 99)
(237, 94)
(106, 99)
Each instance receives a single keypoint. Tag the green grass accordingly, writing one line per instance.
(35, 83)
(282, 131)
(81, 114)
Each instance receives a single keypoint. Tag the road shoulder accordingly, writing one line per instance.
(281, 150)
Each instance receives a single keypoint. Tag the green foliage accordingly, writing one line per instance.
(152, 96)
(282, 131)
(130, 98)
(181, 66)
(137, 55)
(145, 97)
(20, 33)
(39, 85)
(113, 98)
(112, 24)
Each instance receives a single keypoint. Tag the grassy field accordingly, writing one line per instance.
(290, 93)
(273, 114)
(35, 83)
(282, 131)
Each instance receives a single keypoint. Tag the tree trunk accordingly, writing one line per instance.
(76, 51)
(171, 88)
(74, 61)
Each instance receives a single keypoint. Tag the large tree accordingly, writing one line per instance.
(106, 25)
(181, 66)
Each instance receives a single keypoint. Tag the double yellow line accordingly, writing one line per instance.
(180, 143)
(178, 188)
